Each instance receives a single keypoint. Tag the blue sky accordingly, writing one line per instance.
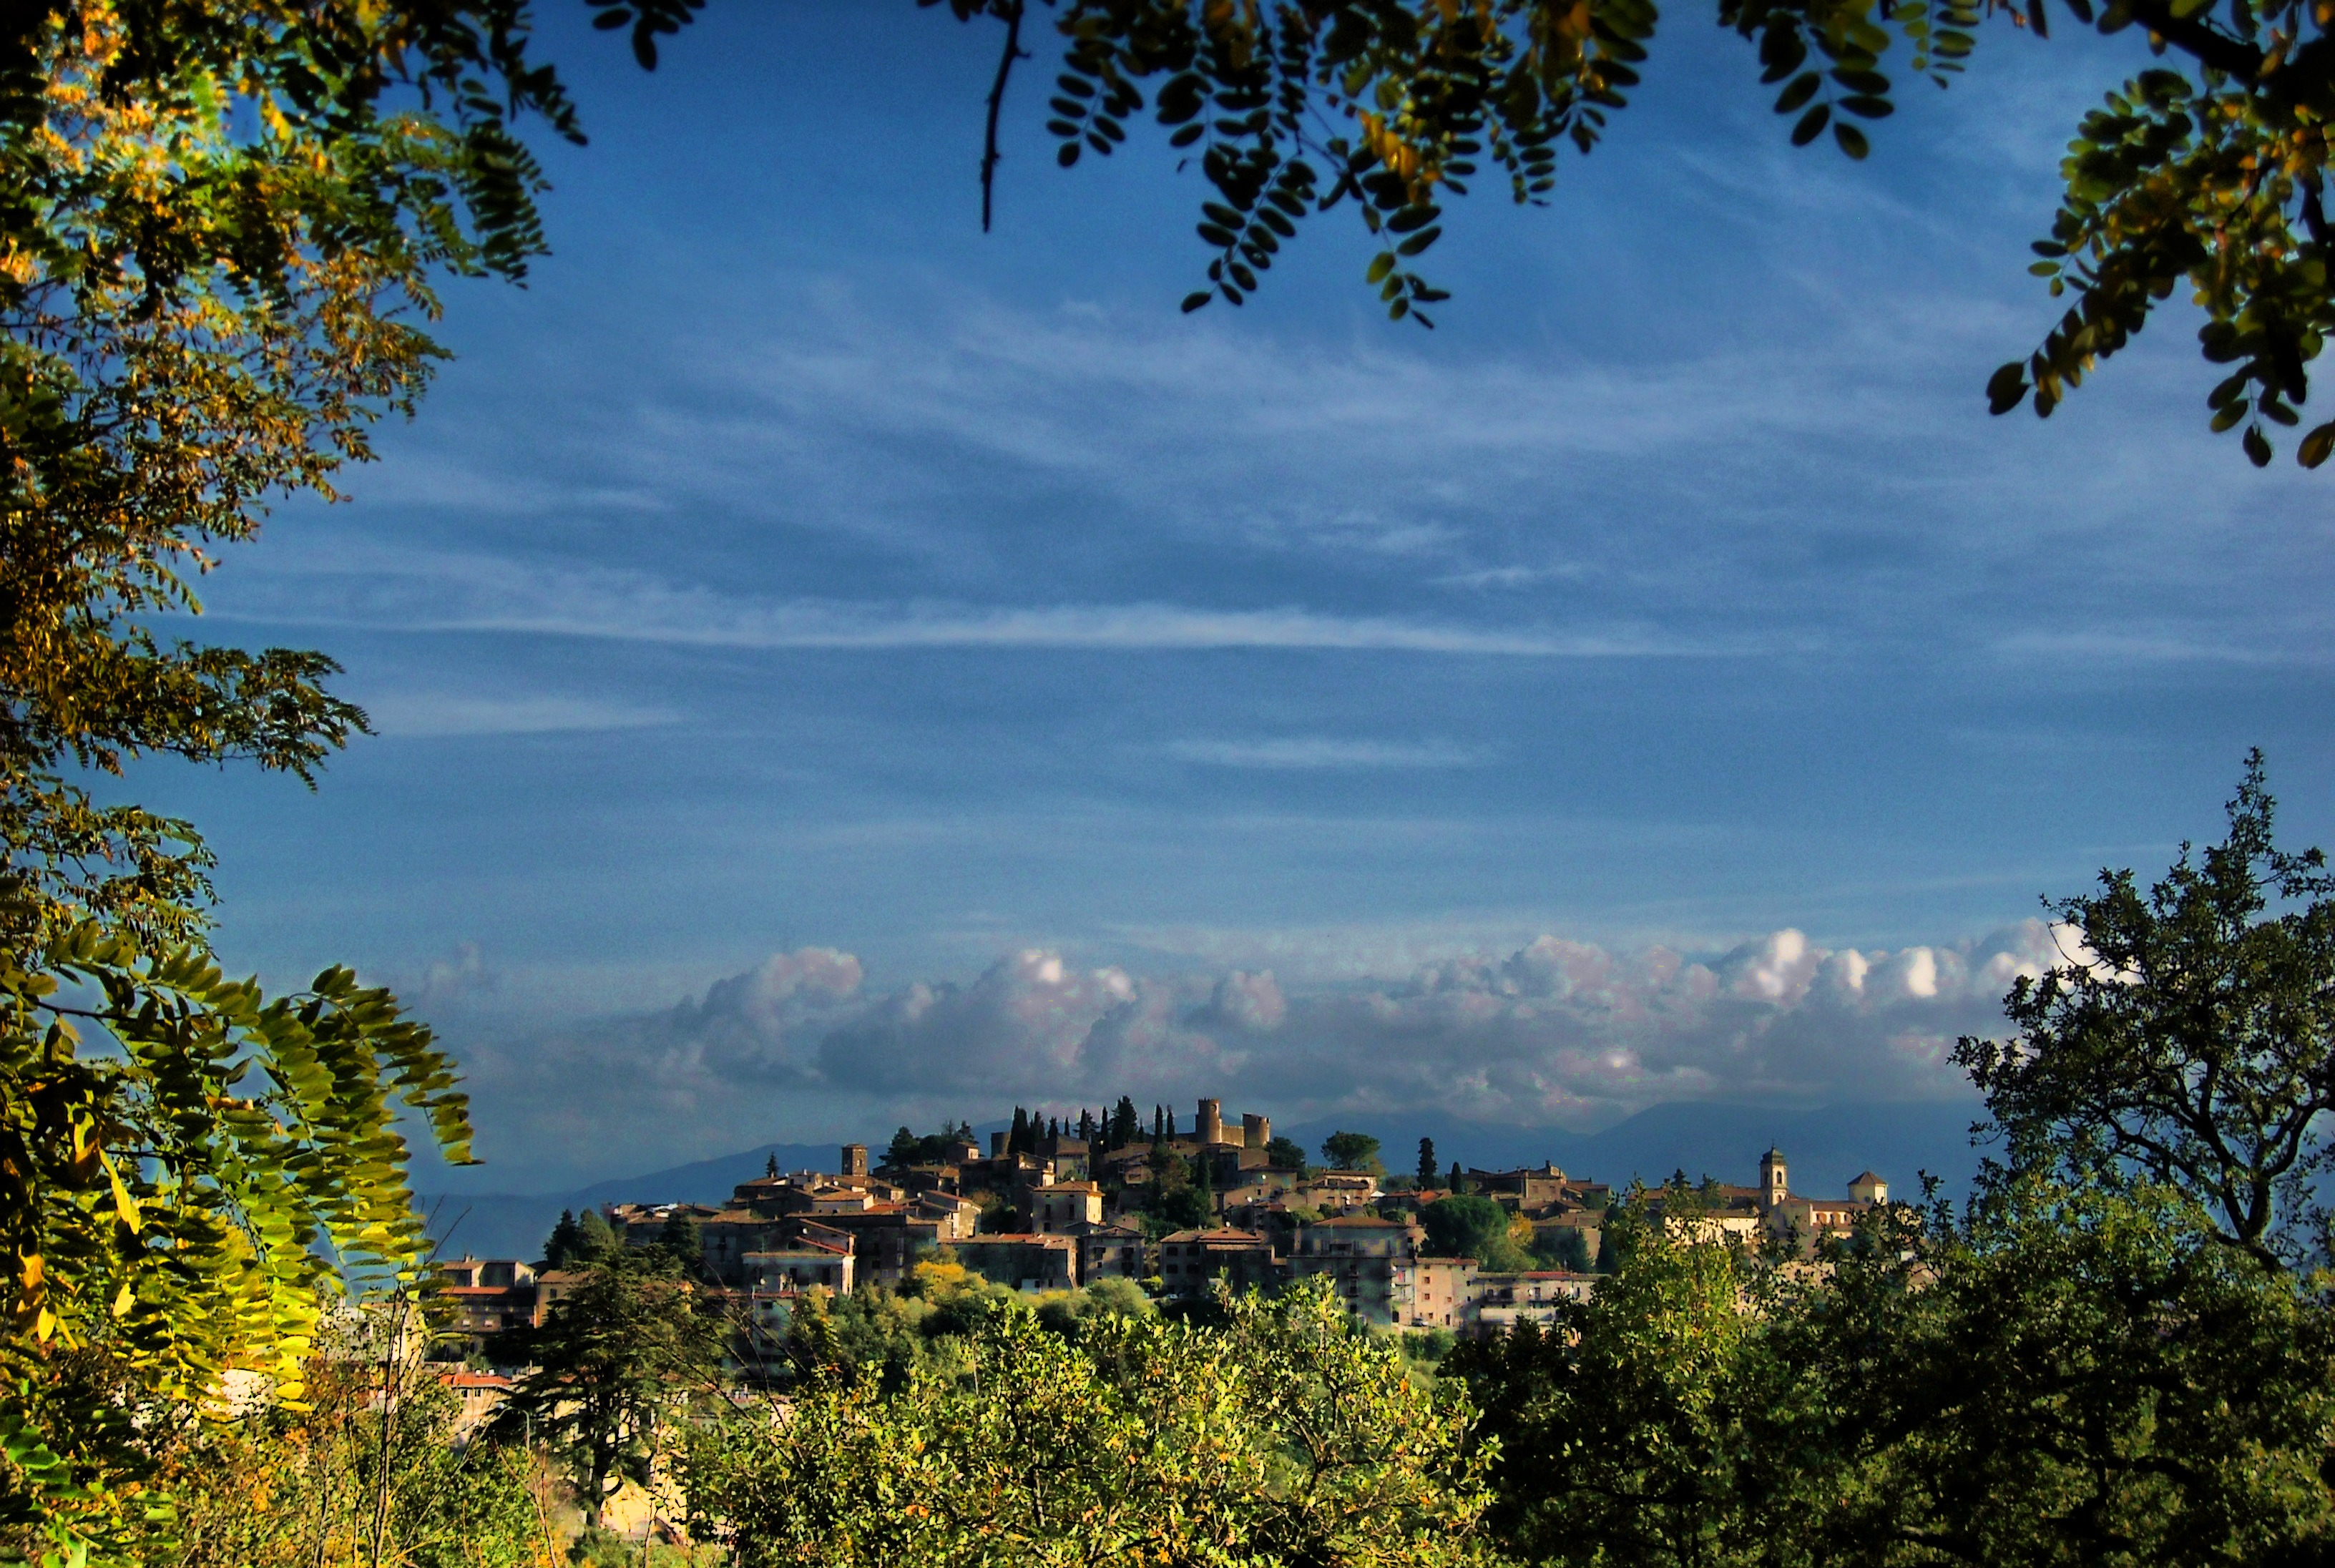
(835, 667)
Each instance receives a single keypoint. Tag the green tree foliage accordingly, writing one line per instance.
(617, 1359)
(223, 227)
(1286, 1438)
(596, 1240)
(907, 1149)
(370, 1471)
(2211, 175)
(1284, 1154)
(1565, 1248)
(679, 1239)
(2075, 1373)
(1472, 1227)
(2191, 1035)
(879, 1337)
(902, 1152)
(1351, 1151)
(168, 1186)
(1428, 1169)
(564, 1242)
(204, 309)
(1179, 1198)
(873, 1334)
(2063, 1374)
(2113, 1354)
(1621, 1427)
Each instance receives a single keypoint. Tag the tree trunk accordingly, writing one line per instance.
(600, 1493)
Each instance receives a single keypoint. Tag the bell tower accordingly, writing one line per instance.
(1774, 1185)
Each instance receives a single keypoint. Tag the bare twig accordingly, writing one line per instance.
(1005, 59)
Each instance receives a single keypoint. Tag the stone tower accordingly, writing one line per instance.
(1256, 1131)
(854, 1159)
(1774, 1185)
(1208, 1127)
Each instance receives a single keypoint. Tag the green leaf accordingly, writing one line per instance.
(1811, 125)
(2314, 448)
(2257, 446)
(1799, 91)
(1852, 141)
(2007, 388)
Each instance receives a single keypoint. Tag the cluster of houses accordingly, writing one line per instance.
(1076, 1213)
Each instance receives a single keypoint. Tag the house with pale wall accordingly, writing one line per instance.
(1023, 1261)
(1504, 1300)
(1190, 1261)
(1367, 1258)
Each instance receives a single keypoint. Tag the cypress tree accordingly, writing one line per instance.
(596, 1239)
(560, 1250)
(1427, 1162)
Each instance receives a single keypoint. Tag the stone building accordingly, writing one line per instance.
(1024, 1260)
(1367, 1259)
(1190, 1261)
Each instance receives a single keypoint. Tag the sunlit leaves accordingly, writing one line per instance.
(179, 351)
(2212, 180)
(1287, 1436)
(189, 1169)
(204, 310)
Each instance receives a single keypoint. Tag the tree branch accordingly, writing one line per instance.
(2199, 39)
(1005, 59)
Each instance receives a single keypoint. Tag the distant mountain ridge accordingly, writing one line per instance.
(1825, 1147)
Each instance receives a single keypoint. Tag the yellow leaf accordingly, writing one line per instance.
(123, 1204)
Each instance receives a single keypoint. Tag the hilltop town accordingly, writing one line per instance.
(1053, 1207)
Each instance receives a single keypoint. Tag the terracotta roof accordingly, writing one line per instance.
(807, 1244)
(1863, 1177)
(1356, 1221)
(1222, 1233)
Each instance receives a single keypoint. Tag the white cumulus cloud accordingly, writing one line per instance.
(1556, 1031)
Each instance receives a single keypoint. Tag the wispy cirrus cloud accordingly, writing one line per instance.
(432, 715)
(417, 592)
(1307, 752)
